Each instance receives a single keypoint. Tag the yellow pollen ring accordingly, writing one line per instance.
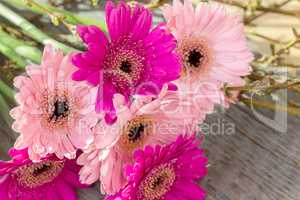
(37, 174)
(157, 183)
(136, 132)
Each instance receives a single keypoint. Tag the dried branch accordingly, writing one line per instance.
(260, 7)
(56, 18)
(266, 61)
(68, 16)
(268, 39)
(248, 20)
(265, 87)
(271, 106)
(156, 4)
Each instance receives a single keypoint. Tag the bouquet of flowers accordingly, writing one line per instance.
(126, 110)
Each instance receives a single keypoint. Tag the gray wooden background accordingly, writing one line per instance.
(249, 159)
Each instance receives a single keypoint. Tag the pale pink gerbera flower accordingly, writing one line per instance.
(49, 179)
(166, 173)
(212, 46)
(144, 122)
(55, 114)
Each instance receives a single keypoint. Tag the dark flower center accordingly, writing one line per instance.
(136, 132)
(158, 182)
(195, 58)
(41, 169)
(37, 174)
(61, 109)
(126, 66)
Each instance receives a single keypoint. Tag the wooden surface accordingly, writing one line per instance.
(249, 160)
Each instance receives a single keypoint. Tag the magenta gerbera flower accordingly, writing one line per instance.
(133, 60)
(49, 179)
(166, 173)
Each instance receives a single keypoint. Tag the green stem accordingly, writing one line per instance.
(20, 47)
(31, 30)
(69, 17)
(6, 91)
(5, 111)
(12, 55)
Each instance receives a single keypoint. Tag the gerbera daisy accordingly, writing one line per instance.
(133, 60)
(166, 173)
(144, 122)
(48, 179)
(212, 45)
(55, 114)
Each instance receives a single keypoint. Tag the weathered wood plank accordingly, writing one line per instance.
(254, 163)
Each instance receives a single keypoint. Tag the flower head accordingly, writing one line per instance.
(133, 60)
(145, 122)
(48, 179)
(55, 114)
(212, 46)
(168, 172)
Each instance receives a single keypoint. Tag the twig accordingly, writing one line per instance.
(290, 65)
(31, 30)
(68, 16)
(270, 105)
(259, 8)
(276, 6)
(248, 88)
(268, 39)
(266, 61)
(55, 18)
(282, 50)
(156, 4)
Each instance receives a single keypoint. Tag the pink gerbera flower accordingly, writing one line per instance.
(212, 46)
(144, 122)
(134, 60)
(166, 173)
(48, 179)
(55, 114)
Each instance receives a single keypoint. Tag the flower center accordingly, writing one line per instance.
(56, 108)
(61, 109)
(135, 133)
(124, 63)
(126, 66)
(37, 174)
(157, 183)
(194, 58)
(195, 55)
